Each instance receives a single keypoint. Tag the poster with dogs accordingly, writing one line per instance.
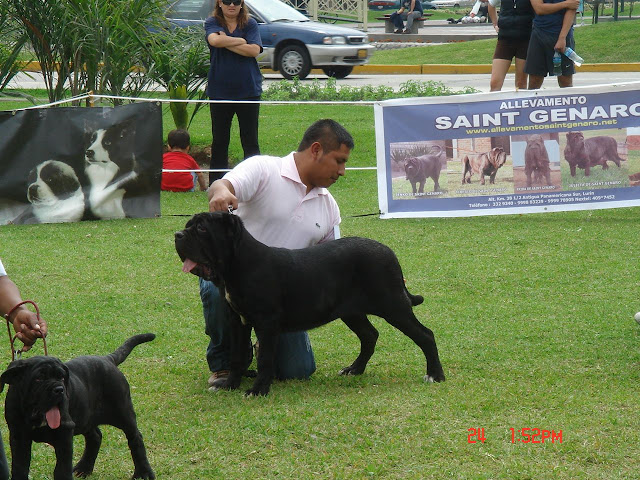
(509, 152)
(70, 164)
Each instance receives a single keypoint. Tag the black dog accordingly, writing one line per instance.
(418, 169)
(50, 401)
(278, 290)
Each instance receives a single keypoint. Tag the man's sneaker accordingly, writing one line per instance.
(406, 30)
(398, 31)
(218, 378)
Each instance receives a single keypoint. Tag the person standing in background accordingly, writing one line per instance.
(552, 32)
(234, 43)
(514, 29)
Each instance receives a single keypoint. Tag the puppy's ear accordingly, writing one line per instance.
(13, 373)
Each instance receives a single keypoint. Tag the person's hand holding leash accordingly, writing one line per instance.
(222, 196)
(28, 327)
(27, 324)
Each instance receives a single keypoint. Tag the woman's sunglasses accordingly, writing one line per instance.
(232, 2)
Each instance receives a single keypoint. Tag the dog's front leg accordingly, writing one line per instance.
(20, 443)
(93, 440)
(240, 353)
(267, 338)
(63, 446)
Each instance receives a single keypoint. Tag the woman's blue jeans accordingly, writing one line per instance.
(294, 355)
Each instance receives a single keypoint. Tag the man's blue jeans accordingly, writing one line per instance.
(397, 19)
(294, 356)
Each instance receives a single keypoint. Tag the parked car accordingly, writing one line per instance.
(292, 43)
(384, 4)
(395, 5)
(453, 3)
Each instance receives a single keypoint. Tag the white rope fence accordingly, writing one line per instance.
(92, 97)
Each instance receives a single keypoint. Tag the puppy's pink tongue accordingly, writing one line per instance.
(188, 265)
(53, 417)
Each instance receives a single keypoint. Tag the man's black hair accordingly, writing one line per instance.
(329, 133)
(179, 138)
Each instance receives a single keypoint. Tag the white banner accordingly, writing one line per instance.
(509, 152)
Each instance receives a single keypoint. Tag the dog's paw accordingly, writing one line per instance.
(146, 475)
(434, 378)
(257, 391)
(82, 471)
(351, 370)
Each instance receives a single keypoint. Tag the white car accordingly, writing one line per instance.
(292, 43)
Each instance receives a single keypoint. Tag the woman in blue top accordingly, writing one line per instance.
(234, 43)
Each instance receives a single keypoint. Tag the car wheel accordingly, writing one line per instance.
(337, 72)
(294, 62)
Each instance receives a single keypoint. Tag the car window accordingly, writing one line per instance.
(275, 10)
(190, 9)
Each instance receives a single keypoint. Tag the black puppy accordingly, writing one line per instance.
(50, 401)
(278, 290)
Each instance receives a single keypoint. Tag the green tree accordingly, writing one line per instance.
(11, 47)
(89, 45)
(178, 60)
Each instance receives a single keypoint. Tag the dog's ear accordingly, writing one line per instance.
(13, 372)
(234, 228)
(66, 375)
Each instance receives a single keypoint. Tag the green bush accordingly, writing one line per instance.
(316, 91)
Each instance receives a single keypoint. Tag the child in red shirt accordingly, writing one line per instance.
(178, 158)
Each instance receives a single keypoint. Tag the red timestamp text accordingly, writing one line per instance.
(535, 435)
(519, 435)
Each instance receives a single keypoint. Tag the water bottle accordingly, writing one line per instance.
(557, 64)
(575, 58)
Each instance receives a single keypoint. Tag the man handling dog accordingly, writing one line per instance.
(284, 202)
(28, 328)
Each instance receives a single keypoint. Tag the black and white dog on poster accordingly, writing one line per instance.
(110, 168)
(55, 194)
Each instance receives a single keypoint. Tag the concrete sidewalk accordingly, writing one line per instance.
(435, 32)
(455, 80)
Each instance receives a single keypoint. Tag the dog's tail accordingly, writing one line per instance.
(123, 351)
(415, 299)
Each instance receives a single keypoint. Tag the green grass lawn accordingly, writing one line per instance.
(593, 43)
(533, 315)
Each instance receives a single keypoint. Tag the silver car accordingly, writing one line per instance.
(292, 43)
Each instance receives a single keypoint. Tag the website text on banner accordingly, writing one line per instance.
(509, 152)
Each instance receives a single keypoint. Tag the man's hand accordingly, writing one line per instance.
(572, 4)
(28, 328)
(561, 44)
(222, 196)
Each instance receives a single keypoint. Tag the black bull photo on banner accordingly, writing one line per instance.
(70, 164)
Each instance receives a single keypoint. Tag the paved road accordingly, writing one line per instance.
(455, 82)
(478, 81)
